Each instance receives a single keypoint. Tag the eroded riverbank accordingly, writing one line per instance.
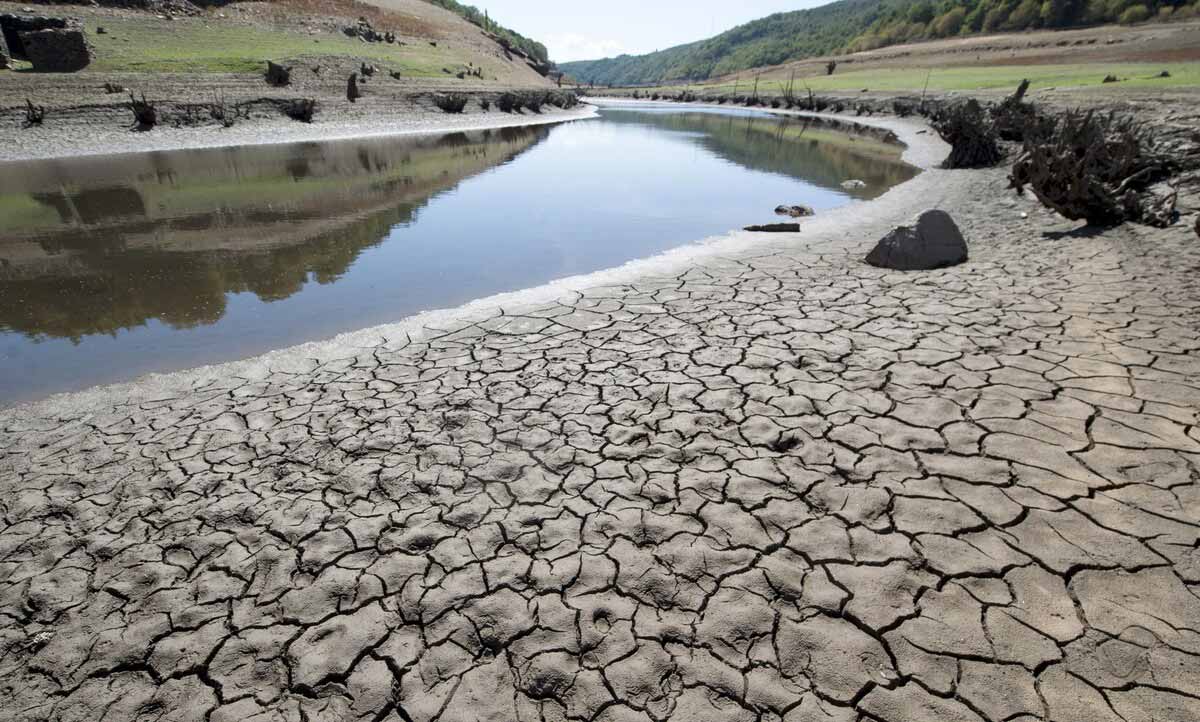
(750, 480)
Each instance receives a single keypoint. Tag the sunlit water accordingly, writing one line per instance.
(116, 266)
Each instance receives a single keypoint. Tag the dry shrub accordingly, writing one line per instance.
(451, 102)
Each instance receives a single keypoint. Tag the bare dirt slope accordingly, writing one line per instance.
(219, 56)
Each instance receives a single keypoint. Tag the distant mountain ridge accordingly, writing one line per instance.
(767, 41)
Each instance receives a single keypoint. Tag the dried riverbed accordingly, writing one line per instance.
(759, 482)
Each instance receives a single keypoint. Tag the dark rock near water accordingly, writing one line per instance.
(794, 211)
(775, 228)
(935, 242)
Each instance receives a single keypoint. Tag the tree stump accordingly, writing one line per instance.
(145, 115)
(277, 75)
(971, 136)
(1096, 168)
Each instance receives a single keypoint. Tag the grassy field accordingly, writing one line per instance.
(147, 46)
(1139, 75)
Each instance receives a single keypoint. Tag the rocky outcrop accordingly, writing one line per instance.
(935, 242)
(52, 45)
(58, 51)
(794, 211)
(363, 31)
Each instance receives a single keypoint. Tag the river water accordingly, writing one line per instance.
(111, 267)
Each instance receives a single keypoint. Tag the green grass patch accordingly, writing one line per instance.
(1136, 75)
(192, 46)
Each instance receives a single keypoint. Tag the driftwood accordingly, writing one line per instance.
(971, 135)
(34, 114)
(775, 228)
(352, 91)
(145, 115)
(1097, 168)
(278, 75)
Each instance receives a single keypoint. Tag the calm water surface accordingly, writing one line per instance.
(116, 266)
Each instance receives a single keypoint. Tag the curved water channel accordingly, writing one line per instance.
(111, 267)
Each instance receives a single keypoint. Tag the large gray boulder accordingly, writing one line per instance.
(57, 50)
(935, 242)
(52, 45)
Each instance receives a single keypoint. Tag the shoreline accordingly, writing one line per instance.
(82, 140)
(923, 149)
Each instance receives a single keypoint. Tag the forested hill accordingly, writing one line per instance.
(850, 25)
(768, 41)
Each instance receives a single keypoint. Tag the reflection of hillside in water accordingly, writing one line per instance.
(815, 150)
(182, 230)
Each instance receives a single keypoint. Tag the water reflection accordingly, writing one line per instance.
(110, 267)
(185, 229)
(820, 151)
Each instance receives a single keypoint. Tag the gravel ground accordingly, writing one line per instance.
(753, 481)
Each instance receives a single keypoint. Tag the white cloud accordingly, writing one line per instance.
(565, 47)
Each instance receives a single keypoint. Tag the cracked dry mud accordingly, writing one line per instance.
(776, 487)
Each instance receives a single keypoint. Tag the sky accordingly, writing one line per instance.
(585, 29)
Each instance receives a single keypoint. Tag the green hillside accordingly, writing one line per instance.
(849, 25)
(768, 41)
